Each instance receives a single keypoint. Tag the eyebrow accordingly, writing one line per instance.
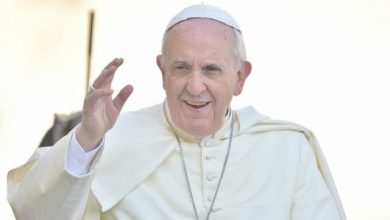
(205, 67)
(177, 63)
(213, 66)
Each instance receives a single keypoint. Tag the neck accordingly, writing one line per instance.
(185, 135)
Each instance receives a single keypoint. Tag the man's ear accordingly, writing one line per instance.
(161, 67)
(159, 63)
(243, 73)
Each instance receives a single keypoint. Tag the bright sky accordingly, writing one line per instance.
(323, 64)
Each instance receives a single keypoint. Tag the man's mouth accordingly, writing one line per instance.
(196, 105)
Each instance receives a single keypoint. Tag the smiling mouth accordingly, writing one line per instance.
(196, 105)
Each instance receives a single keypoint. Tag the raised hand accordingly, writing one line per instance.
(100, 110)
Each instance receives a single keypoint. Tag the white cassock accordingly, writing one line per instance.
(275, 171)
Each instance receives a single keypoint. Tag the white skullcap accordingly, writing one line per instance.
(204, 11)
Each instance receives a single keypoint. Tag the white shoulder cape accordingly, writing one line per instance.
(139, 142)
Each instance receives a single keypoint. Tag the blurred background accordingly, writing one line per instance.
(324, 64)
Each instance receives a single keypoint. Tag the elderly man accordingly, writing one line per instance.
(191, 157)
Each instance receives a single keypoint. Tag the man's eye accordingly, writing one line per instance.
(212, 69)
(182, 67)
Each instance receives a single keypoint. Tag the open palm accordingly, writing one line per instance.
(100, 110)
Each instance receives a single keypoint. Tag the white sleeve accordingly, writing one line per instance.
(78, 161)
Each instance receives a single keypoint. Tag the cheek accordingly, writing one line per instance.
(170, 85)
(174, 88)
(222, 97)
(227, 90)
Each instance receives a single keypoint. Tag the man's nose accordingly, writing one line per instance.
(195, 84)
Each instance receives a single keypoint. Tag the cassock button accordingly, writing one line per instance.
(211, 177)
(211, 142)
(210, 198)
(209, 157)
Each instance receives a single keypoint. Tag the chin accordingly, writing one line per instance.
(200, 130)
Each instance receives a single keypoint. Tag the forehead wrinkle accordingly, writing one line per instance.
(187, 33)
(203, 26)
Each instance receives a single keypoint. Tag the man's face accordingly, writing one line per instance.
(200, 74)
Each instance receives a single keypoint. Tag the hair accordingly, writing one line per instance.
(239, 45)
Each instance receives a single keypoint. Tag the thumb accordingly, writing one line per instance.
(122, 97)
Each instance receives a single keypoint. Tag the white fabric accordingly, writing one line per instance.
(204, 11)
(42, 188)
(79, 161)
(273, 173)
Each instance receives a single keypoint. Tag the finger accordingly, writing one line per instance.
(122, 97)
(108, 73)
(115, 61)
(93, 96)
(105, 78)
